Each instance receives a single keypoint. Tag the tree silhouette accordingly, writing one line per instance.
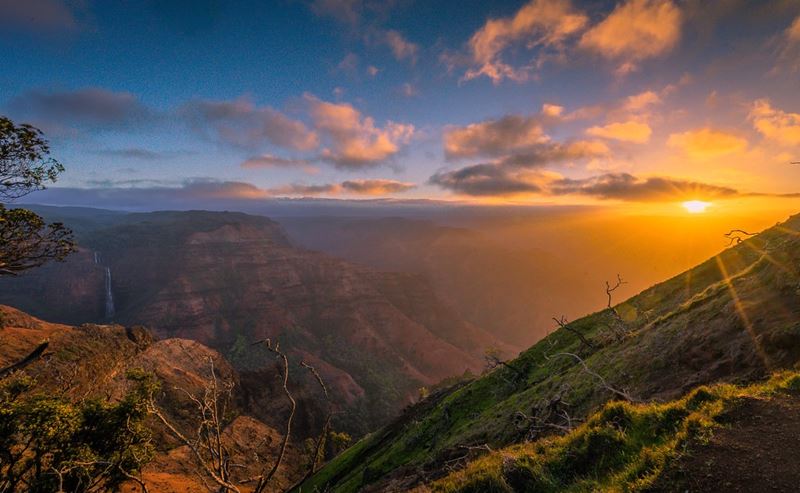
(26, 240)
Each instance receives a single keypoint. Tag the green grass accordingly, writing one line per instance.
(675, 330)
(622, 447)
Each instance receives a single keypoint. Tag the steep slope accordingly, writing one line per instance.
(93, 360)
(229, 279)
(735, 317)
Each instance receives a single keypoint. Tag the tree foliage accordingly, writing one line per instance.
(50, 444)
(26, 240)
(25, 162)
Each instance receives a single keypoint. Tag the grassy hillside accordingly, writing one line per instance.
(734, 318)
(622, 447)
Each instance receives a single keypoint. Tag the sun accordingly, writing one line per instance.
(696, 206)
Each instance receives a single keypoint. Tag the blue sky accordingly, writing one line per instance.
(539, 101)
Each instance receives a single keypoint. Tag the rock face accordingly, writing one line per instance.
(228, 280)
(91, 361)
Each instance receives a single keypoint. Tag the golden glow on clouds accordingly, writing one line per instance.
(775, 124)
(630, 131)
(696, 206)
(707, 143)
(636, 30)
(543, 22)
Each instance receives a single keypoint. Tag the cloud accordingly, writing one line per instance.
(630, 131)
(136, 153)
(775, 124)
(624, 186)
(402, 49)
(376, 187)
(487, 180)
(354, 187)
(517, 173)
(355, 140)
(491, 138)
(636, 30)
(346, 11)
(90, 106)
(641, 101)
(243, 124)
(42, 16)
(270, 161)
(408, 90)
(793, 32)
(707, 143)
(538, 23)
(552, 110)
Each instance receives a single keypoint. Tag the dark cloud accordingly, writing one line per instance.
(487, 179)
(241, 123)
(136, 153)
(356, 187)
(624, 186)
(497, 180)
(198, 193)
(376, 187)
(40, 16)
(491, 138)
(91, 106)
(270, 161)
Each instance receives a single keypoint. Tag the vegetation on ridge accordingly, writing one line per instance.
(734, 317)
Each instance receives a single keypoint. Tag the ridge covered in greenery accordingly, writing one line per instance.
(734, 318)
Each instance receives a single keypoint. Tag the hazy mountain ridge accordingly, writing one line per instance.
(229, 279)
(735, 317)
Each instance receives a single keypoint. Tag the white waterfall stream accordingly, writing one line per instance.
(109, 311)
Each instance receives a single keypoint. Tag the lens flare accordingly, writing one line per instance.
(696, 206)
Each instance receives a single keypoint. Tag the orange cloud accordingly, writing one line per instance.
(636, 30)
(355, 139)
(630, 131)
(707, 143)
(793, 33)
(775, 124)
(539, 22)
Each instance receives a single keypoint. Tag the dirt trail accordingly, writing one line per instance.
(758, 451)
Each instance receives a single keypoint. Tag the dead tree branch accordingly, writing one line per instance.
(267, 476)
(621, 393)
(207, 447)
(320, 442)
(564, 324)
(610, 289)
(27, 360)
(736, 236)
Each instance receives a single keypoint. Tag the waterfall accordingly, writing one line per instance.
(96, 258)
(109, 296)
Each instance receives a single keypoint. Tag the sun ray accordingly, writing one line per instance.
(740, 310)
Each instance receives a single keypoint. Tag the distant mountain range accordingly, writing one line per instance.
(228, 280)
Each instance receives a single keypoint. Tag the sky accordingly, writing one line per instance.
(637, 102)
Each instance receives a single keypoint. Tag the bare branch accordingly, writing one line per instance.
(621, 393)
(736, 236)
(610, 289)
(266, 477)
(564, 324)
(27, 360)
